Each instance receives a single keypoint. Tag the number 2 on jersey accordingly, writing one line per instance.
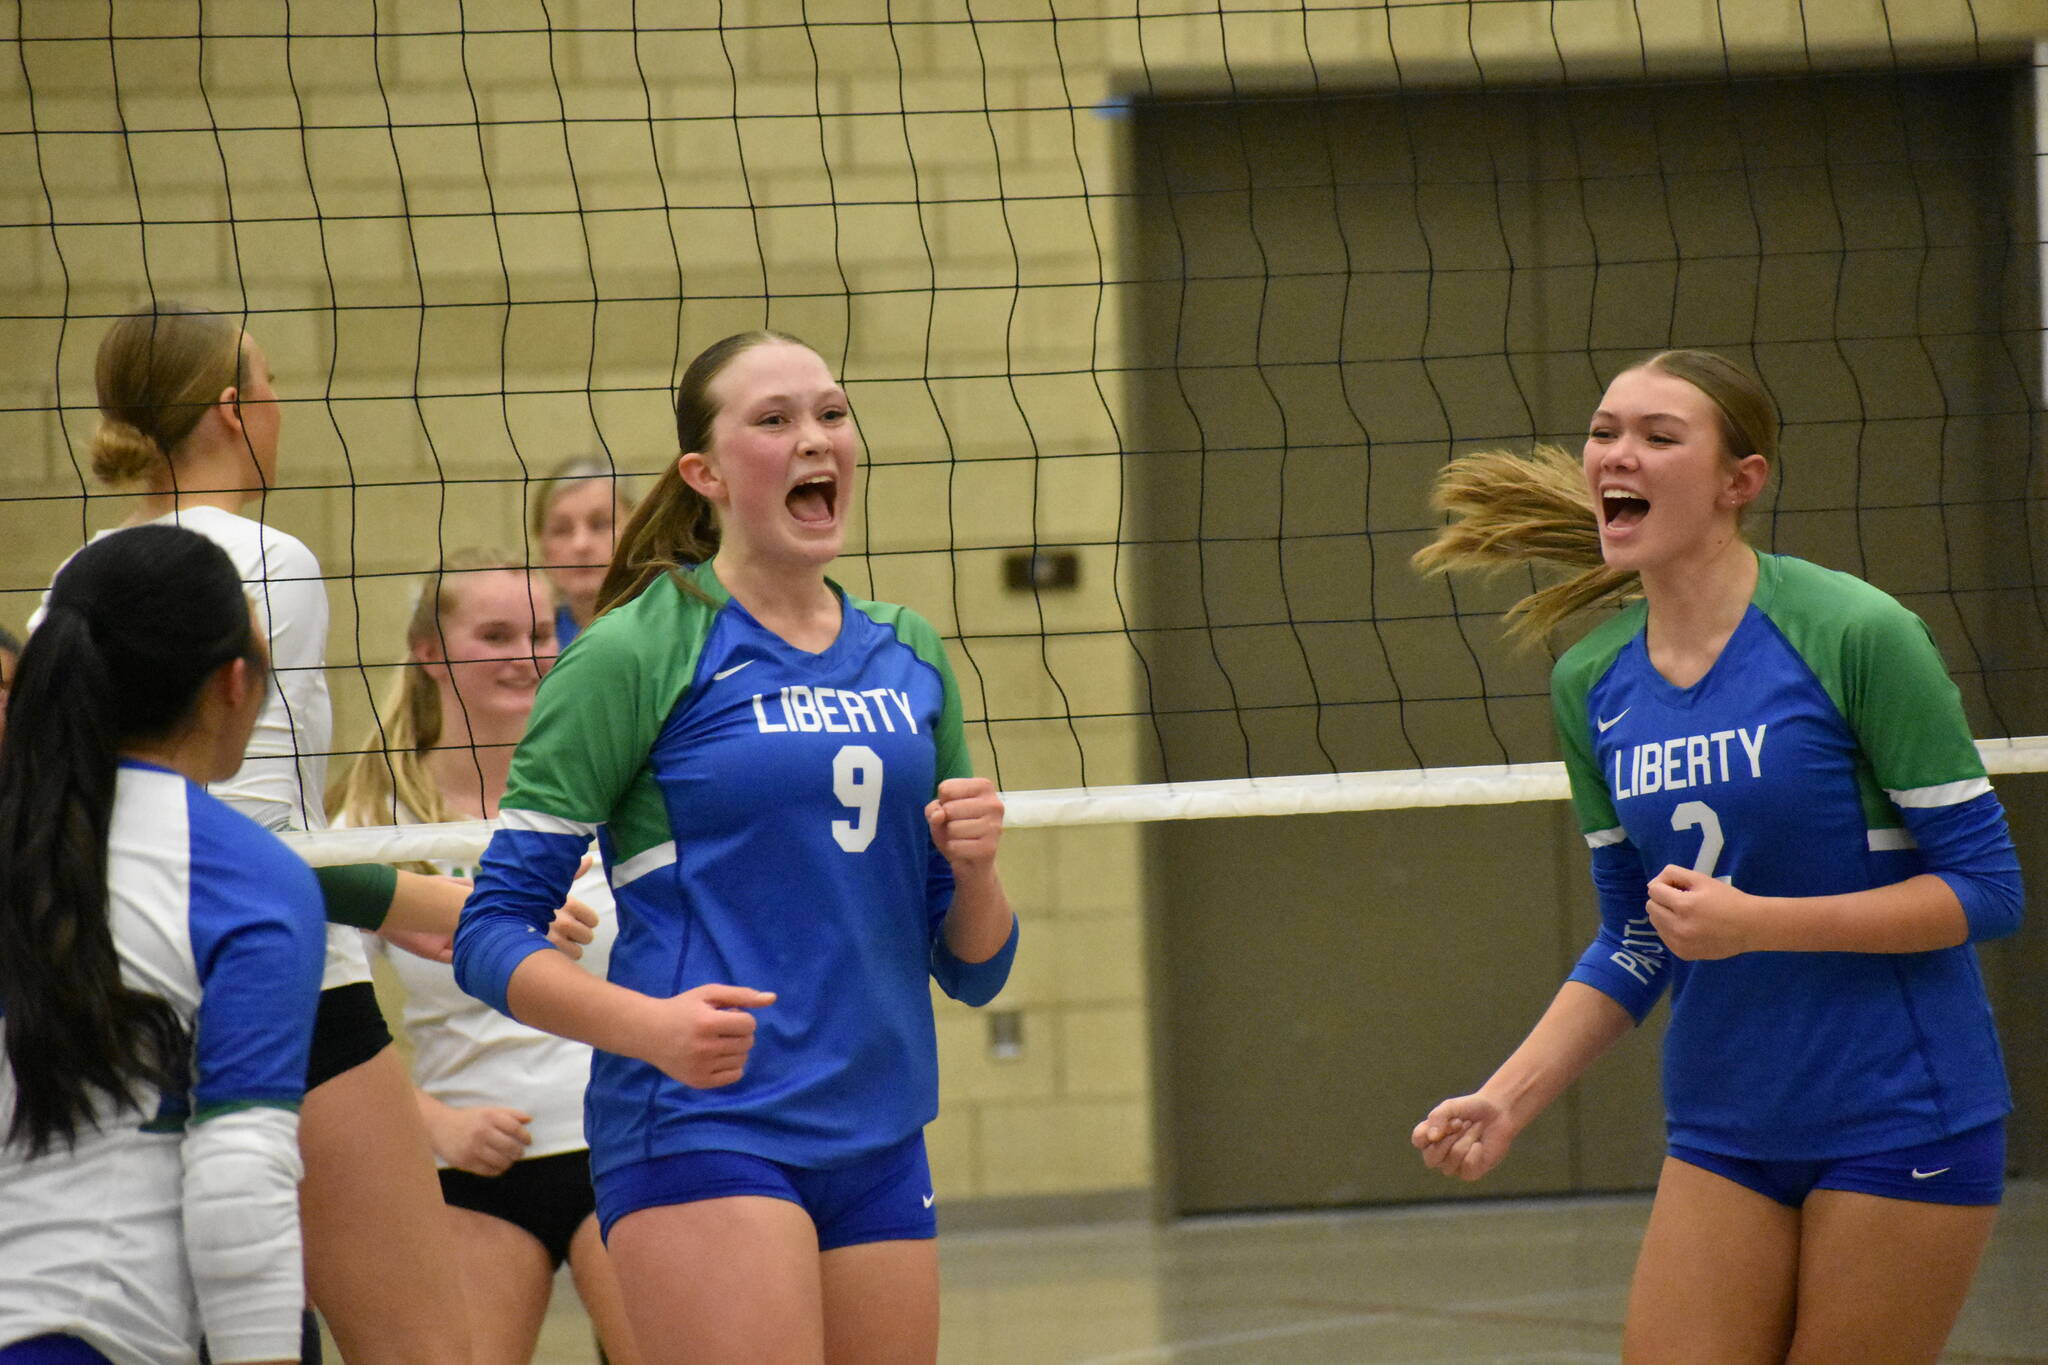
(1699, 815)
(857, 782)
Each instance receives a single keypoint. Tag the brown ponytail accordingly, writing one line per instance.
(157, 373)
(674, 527)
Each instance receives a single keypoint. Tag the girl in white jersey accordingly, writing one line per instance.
(503, 1103)
(189, 416)
(158, 988)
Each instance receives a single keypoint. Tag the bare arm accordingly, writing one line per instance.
(978, 925)
(483, 1140)
(700, 1037)
(425, 905)
(1469, 1135)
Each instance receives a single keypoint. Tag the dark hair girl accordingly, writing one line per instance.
(158, 990)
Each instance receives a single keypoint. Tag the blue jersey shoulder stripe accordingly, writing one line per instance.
(259, 943)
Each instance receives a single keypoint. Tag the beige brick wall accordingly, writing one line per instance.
(932, 202)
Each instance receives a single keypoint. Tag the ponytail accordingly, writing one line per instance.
(387, 783)
(1510, 511)
(137, 622)
(674, 527)
(157, 374)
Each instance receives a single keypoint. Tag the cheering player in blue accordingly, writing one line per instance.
(159, 982)
(777, 775)
(1791, 830)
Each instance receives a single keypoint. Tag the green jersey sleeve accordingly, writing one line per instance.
(600, 710)
(952, 759)
(1571, 682)
(358, 894)
(1878, 663)
(922, 638)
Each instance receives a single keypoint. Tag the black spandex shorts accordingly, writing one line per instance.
(348, 1031)
(546, 1196)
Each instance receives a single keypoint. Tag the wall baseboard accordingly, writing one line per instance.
(1012, 1213)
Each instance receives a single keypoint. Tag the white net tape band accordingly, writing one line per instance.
(1315, 794)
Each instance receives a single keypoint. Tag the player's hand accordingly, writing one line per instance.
(574, 924)
(706, 1034)
(967, 820)
(1700, 918)
(1464, 1137)
(483, 1141)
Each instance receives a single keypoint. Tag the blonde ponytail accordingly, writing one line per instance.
(672, 529)
(1510, 511)
(124, 454)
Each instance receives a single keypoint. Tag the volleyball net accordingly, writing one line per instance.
(1157, 321)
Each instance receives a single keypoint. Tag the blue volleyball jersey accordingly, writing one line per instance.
(1825, 752)
(761, 813)
(183, 1216)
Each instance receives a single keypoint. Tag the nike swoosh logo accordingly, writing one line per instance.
(1606, 725)
(728, 672)
(1919, 1174)
(928, 1200)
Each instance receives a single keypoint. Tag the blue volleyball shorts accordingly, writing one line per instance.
(1966, 1168)
(883, 1197)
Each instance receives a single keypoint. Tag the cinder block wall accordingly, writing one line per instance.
(579, 205)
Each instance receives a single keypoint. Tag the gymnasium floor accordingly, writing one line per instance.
(1535, 1282)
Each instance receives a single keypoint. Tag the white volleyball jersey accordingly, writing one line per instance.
(180, 1216)
(283, 779)
(468, 1055)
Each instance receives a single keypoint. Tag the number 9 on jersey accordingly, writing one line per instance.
(857, 782)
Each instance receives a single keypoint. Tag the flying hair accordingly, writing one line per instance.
(1513, 511)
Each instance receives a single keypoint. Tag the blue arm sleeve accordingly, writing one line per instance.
(1968, 846)
(971, 983)
(1626, 960)
(523, 879)
(259, 940)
